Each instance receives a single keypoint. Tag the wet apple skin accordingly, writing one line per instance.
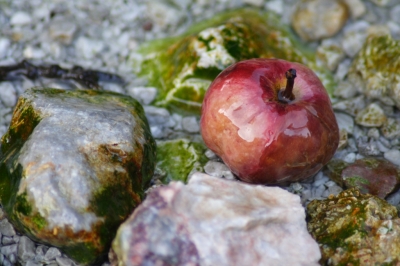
(263, 140)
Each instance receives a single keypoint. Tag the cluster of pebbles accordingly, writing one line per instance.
(102, 35)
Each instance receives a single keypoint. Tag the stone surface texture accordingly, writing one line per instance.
(317, 19)
(355, 229)
(65, 154)
(212, 221)
(374, 70)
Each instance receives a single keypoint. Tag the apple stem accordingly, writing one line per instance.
(287, 94)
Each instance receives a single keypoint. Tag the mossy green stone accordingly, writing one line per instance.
(119, 163)
(375, 69)
(176, 159)
(183, 67)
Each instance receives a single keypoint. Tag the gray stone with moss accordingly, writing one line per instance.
(74, 165)
(183, 67)
(375, 69)
(355, 229)
(177, 159)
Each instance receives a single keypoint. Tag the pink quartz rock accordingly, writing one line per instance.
(212, 221)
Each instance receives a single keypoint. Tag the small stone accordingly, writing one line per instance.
(276, 6)
(373, 133)
(33, 52)
(190, 124)
(8, 94)
(368, 148)
(6, 228)
(345, 122)
(350, 157)
(345, 90)
(393, 156)
(33, 263)
(62, 29)
(218, 169)
(343, 69)
(395, 14)
(62, 261)
(8, 250)
(163, 15)
(156, 116)
(20, 18)
(52, 253)
(343, 139)
(391, 128)
(382, 147)
(371, 116)
(351, 106)
(4, 46)
(317, 19)
(354, 36)
(145, 95)
(88, 48)
(210, 154)
(330, 54)
(6, 262)
(41, 250)
(184, 223)
(356, 7)
(13, 258)
(26, 249)
(7, 240)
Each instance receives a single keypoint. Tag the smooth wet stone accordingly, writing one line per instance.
(355, 229)
(213, 221)
(177, 159)
(374, 176)
(375, 69)
(372, 116)
(317, 19)
(74, 165)
(182, 68)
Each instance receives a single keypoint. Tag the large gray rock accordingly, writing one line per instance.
(75, 165)
(212, 221)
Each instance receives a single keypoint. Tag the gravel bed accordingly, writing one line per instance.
(104, 34)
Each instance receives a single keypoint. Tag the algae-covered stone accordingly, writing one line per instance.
(182, 68)
(176, 159)
(376, 67)
(355, 229)
(74, 165)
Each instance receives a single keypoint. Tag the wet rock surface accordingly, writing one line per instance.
(182, 224)
(65, 154)
(374, 176)
(355, 228)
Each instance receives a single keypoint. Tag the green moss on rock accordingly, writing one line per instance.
(183, 67)
(355, 228)
(176, 159)
(375, 69)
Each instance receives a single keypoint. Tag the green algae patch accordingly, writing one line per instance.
(176, 159)
(375, 69)
(182, 68)
(355, 228)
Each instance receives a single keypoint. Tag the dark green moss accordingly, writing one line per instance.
(39, 222)
(22, 205)
(84, 253)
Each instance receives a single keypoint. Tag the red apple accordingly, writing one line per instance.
(270, 121)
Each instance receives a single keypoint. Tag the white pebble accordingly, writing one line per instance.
(4, 46)
(190, 124)
(350, 158)
(275, 5)
(88, 48)
(33, 52)
(393, 156)
(144, 95)
(20, 18)
(218, 169)
(8, 94)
